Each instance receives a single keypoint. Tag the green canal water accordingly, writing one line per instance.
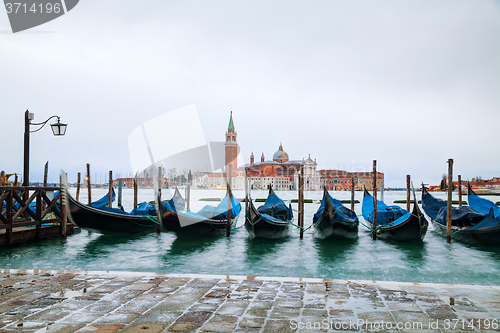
(432, 260)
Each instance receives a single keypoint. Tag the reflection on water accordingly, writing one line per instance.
(432, 260)
(258, 249)
(186, 245)
(415, 252)
(333, 250)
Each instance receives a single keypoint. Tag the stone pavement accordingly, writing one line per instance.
(77, 301)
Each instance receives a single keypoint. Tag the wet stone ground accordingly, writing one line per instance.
(74, 301)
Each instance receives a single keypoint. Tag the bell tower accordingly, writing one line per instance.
(231, 146)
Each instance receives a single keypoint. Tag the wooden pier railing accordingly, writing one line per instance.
(15, 210)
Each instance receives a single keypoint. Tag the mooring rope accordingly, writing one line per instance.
(152, 218)
(376, 229)
(298, 226)
(453, 233)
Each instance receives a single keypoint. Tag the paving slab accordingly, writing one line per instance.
(79, 301)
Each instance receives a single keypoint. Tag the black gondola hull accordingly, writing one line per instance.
(94, 219)
(333, 224)
(188, 225)
(411, 230)
(328, 227)
(259, 227)
(489, 236)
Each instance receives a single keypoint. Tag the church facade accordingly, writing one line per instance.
(281, 173)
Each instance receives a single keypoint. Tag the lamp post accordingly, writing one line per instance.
(57, 128)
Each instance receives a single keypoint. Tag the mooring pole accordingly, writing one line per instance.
(15, 180)
(88, 184)
(110, 194)
(78, 186)
(160, 185)
(352, 191)
(450, 191)
(460, 190)
(135, 191)
(374, 225)
(64, 224)
(408, 192)
(188, 196)
(229, 193)
(120, 186)
(301, 201)
(246, 193)
(45, 174)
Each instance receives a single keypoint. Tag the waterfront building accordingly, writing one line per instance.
(281, 173)
(339, 180)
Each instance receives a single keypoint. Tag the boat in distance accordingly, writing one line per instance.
(395, 223)
(333, 219)
(271, 220)
(468, 225)
(209, 221)
(104, 219)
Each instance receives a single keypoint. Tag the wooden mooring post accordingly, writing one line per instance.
(78, 186)
(160, 185)
(374, 225)
(135, 191)
(301, 201)
(352, 191)
(229, 194)
(188, 196)
(63, 179)
(246, 193)
(460, 190)
(408, 185)
(450, 200)
(120, 189)
(110, 192)
(88, 184)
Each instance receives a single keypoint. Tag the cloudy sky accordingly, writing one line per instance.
(409, 83)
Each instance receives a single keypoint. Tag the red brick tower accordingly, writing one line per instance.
(231, 146)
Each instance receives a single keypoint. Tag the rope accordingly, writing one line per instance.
(376, 229)
(453, 233)
(298, 226)
(234, 229)
(153, 219)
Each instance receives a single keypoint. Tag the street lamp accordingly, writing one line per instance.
(57, 128)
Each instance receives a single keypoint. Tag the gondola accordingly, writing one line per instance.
(271, 220)
(209, 221)
(395, 223)
(468, 225)
(170, 208)
(104, 219)
(334, 219)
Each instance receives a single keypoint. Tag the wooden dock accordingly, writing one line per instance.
(32, 213)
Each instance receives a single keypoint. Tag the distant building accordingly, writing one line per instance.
(281, 173)
(141, 182)
(339, 180)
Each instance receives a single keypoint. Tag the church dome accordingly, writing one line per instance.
(280, 155)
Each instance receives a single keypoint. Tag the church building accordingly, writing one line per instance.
(281, 173)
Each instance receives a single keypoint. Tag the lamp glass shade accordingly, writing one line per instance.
(59, 128)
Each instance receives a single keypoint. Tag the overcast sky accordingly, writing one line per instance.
(409, 83)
